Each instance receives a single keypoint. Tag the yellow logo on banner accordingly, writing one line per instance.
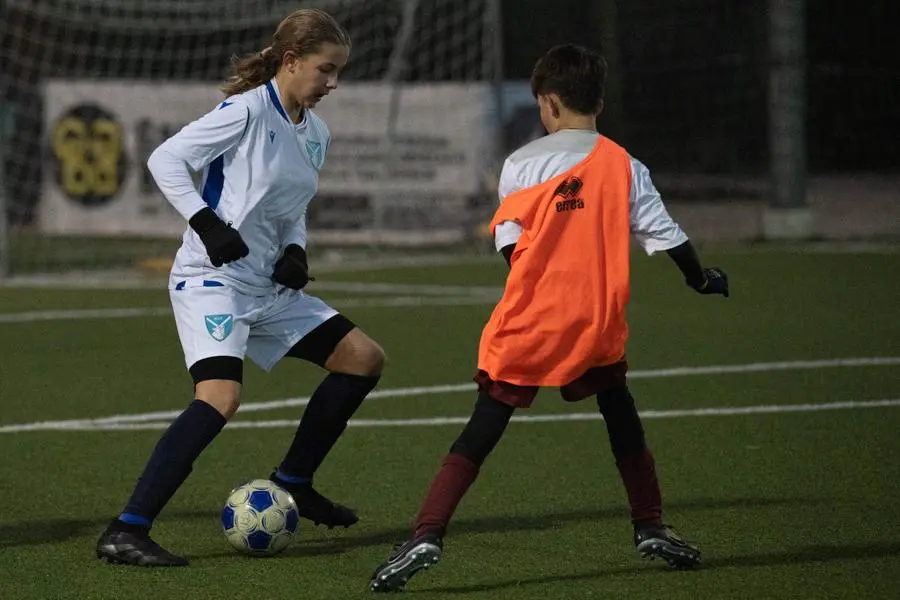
(87, 143)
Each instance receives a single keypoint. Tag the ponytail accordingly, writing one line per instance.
(251, 71)
(302, 32)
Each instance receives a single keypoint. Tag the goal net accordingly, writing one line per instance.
(88, 88)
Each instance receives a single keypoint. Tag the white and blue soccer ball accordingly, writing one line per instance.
(259, 518)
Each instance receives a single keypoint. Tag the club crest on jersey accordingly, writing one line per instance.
(219, 326)
(314, 150)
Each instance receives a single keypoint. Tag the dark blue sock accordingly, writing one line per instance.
(171, 461)
(323, 422)
(133, 519)
(288, 478)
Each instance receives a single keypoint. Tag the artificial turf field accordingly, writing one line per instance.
(789, 483)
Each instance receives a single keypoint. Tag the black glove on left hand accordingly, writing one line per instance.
(715, 282)
(292, 270)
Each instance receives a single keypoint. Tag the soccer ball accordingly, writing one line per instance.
(259, 518)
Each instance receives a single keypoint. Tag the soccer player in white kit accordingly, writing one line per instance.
(237, 282)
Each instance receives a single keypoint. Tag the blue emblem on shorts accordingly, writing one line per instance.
(314, 150)
(219, 326)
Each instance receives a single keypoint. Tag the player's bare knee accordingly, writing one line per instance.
(357, 354)
(217, 381)
(374, 360)
(222, 394)
(366, 359)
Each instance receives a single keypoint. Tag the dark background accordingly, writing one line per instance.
(693, 78)
(687, 91)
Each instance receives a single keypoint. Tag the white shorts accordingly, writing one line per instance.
(220, 321)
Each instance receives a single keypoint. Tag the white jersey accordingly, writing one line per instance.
(260, 171)
(551, 155)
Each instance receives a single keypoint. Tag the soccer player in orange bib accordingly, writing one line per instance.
(570, 202)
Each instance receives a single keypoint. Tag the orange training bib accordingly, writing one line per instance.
(563, 307)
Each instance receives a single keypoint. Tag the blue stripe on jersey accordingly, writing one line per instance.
(274, 97)
(215, 181)
(206, 283)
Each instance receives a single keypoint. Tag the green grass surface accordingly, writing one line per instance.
(33, 252)
(788, 505)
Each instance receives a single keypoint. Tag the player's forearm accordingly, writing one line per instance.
(174, 181)
(688, 262)
(297, 234)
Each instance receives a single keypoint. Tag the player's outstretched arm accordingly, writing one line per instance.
(712, 280)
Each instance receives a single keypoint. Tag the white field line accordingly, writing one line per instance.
(722, 411)
(159, 311)
(404, 288)
(78, 315)
(828, 247)
(128, 279)
(395, 301)
(402, 262)
(790, 365)
(87, 424)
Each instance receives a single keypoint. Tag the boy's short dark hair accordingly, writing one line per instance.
(574, 73)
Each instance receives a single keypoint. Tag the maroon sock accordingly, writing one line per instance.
(639, 476)
(448, 487)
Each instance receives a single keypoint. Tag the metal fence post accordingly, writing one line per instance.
(787, 216)
(5, 133)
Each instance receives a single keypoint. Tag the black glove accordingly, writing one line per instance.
(715, 281)
(223, 243)
(292, 270)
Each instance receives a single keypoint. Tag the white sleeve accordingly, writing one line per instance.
(194, 147)
(651, 224)
(507, 232)
(297, 233)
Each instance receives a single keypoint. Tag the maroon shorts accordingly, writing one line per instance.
(593, 381)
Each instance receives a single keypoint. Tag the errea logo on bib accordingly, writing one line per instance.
(219, 326)
(569, 190)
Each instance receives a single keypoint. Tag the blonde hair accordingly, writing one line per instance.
(303, 32)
